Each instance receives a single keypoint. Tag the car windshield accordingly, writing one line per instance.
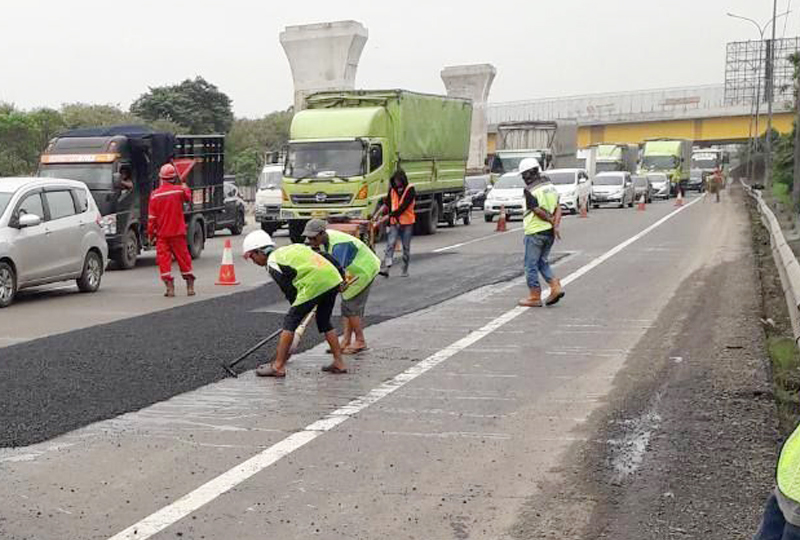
(270, 179)
(607, 180)
(325, 159)
(510, 182)
(4, 198)
(98, 177)
(476, 183)
(561, 178)
(657, 178)
(654, 163)
(640, 181)
(606, 166)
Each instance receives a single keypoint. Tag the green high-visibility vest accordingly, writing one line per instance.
(315, 274)
(789, 467)
(362, 269)
(547, 195)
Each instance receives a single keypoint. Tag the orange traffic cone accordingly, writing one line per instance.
(641, 206)
(501, 221)
(679, 200)
(227, 274)
(584, 208)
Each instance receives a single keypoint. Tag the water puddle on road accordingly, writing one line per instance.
(628, 451)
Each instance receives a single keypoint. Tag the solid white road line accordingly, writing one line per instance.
(191, 502)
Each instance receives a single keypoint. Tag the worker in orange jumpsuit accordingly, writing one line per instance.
(166, 227)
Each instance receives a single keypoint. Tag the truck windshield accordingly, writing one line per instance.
(270, 179)
(4, 198)
(99, 177)
(606, 166)
(323, 159)
(704, 162)
(659, 163)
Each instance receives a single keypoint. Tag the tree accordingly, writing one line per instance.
(249, 140)
(196, 104)
(19, 142)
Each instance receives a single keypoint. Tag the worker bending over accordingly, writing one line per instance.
(308, 280)
(361, 267)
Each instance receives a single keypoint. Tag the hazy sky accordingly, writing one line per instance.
(54, 51)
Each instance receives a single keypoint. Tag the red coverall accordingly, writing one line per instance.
(166, 223)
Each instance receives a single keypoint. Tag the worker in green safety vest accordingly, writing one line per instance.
(361, 267)
(781, 519)
(541, 225)
(309, 280)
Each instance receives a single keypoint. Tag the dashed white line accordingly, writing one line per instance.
(192, 501)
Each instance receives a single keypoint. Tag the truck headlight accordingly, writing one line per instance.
(109, 224)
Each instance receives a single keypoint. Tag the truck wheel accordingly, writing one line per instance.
(296, 231)
(92, 273)
(197, 239)
(238, 227)
(270, 227)
(125, 258)
(430, 220)
(8, 284)
(488, 218)
(451, 220)
(468, 218)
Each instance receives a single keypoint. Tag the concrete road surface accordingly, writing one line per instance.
(463, 408)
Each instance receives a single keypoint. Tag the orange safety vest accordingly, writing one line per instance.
(408, 217)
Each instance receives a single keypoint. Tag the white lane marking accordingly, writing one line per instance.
(481, 239)
(192, 501)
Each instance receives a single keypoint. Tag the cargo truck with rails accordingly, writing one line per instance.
(617, 157)
(96, 157)
(554, 144)
(345, 146)
(669, 156)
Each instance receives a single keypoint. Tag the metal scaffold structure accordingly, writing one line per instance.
(747, 71)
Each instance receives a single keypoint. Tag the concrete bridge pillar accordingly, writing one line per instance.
(472, 82)
(323, 56)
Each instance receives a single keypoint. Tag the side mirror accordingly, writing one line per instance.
(29, 220)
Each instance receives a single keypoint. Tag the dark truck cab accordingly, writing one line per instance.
(97, 157)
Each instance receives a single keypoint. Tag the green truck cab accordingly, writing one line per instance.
(345, 146)
(670, 156)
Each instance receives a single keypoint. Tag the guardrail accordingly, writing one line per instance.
(788, 267)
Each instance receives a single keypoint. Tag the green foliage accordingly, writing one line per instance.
(196, 104)
(249, 140)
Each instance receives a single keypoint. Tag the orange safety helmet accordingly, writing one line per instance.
(168, 173)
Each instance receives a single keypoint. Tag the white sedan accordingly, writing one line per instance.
(574, 188)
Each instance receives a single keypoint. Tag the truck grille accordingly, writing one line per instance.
(322, 198)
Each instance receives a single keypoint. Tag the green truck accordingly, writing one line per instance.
(347, 144)
(670, 156)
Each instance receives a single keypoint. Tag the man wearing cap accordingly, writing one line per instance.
(166, 227)
(309, 280)
(361, 266)
(541, 221)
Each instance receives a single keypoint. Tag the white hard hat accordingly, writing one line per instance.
(257, 240)
(528, 164)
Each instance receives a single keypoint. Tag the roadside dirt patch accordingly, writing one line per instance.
(686, 446)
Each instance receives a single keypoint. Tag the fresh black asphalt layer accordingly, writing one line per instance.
(59, 383)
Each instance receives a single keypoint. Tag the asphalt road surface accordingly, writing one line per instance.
(462, 409)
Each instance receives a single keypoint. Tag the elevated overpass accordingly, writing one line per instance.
(698, 113)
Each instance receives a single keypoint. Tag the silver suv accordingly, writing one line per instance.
(49, 231)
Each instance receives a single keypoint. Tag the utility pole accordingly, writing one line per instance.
(796, 172)
(770, 82)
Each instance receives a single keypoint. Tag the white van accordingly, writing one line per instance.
(269, 197)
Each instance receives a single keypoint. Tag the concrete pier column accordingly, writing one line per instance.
(472, 82)
(323, 56)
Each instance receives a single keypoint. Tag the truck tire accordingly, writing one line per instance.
(237, 228)
(92, 274)
(125, 258)
(296, 231)
(430, 219)
(270, 227)
(488, 218)
(196, 238)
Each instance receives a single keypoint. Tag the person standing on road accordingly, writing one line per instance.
(361, 267)
(308, 280)
(715, 183)
(402, 199)
(166, 227)
(541, 221)
(781, 519)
